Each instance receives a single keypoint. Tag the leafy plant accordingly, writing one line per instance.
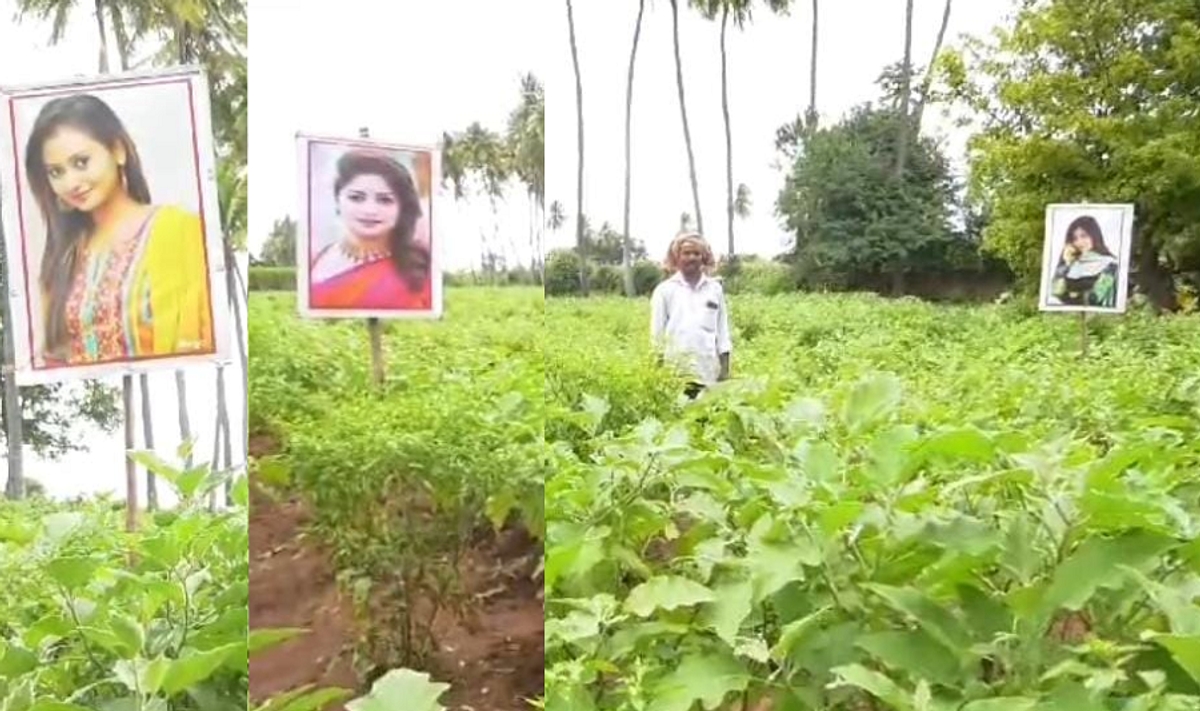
(904, 507)
(404, 479)
(94, 618)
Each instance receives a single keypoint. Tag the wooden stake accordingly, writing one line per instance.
(374, 327)
(1083, 334)
(131, 495)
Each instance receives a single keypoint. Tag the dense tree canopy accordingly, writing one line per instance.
(1089, 100)
(851, 218)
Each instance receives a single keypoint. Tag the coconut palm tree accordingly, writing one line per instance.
(687, 133)
(626, 258)
(580, 235)
(527, 150)
(557, 217)
(902, 133)
(811, 118)
(742, 203)
(739, 13)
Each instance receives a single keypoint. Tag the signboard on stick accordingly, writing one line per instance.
(367, 246)
(1086, 258)
(113, 235)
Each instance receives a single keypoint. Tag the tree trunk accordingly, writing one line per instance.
(14, 436)
(812, 72)
(1156, 283)
(687, 134)
(148, 437)
(626, 247)
(728, 133)
(185, 423)
(902, 126)
(580, 246)
(99, 7)
(131, 496)
(927, 82)
(120, 34)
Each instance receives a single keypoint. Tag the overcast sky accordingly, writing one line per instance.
(26, 57)
(408, 71)
(768, 86)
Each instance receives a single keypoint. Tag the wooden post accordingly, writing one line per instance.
(148, 438)
(14, 435)
(1083, 334)
(374, 327)
(131, 495)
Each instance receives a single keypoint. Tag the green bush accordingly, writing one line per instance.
(757, 276)
(272, 279)
(562, 276)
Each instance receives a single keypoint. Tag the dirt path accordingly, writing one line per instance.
(493, 657)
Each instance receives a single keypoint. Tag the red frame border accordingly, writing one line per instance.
(308, 218)
(104, 86)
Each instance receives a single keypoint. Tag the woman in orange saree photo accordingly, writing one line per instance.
(121, 278)
(381, 258)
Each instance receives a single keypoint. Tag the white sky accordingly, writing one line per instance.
(768, 69)
(406, 70)
(27, 58)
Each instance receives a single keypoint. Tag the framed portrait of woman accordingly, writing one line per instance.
(112, 228)
(366, 242)
(1086, 258)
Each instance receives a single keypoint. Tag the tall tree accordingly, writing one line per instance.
(811, 117)
(212, 33)
(687, 133)
(739, 12)
(927, 82)
(1088, 100)
(557, 217)
(742, 203)
(580, 234)
(527, 151)
(853, 222)
(626, 257)
(279, 249)
(902, 126)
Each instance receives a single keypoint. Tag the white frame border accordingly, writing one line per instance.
(303, 257)
(201, 125)
(1124, 255)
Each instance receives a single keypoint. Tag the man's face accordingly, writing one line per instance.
(691, 258)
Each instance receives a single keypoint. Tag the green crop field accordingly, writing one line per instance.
(407, 485)
(894, 505)
(93, 618)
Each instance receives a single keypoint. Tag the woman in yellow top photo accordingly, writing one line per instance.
(121, 278)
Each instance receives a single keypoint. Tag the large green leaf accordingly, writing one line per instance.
(705, 677)
(667, 592)
(1100, 563)
(402, 689)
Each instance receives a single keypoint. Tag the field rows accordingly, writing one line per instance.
(894, 505)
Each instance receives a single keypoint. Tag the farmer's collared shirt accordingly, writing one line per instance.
(691, 324)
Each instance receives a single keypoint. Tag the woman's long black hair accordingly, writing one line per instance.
(410, 260)
(67, 229)
(1088, 224)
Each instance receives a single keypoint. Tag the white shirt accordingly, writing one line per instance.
(691, 324)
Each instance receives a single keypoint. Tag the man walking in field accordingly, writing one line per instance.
(689, 316)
